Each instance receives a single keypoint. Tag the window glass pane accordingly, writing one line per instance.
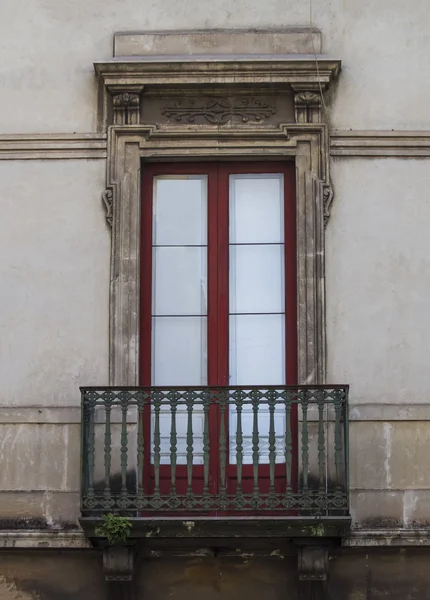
(179, 351)
(181, 434)
(180, 210)
(179, 281)
(257, 279)
(256, 208)
(247, 422)
(257, 349)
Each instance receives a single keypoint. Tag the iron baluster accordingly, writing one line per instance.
(108, 445)
(124, 443)
(305, 441)
(321, 441)
(239, 444)
(140, 444)
(206, 443)
(288, 443)
(255, 443)
(157, 442)
(222, 443)
(189, 403)
(272, 443)
(173, 444)
(337, 439)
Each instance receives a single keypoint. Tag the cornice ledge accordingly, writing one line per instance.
(32, 538)
(387, 537)
(288, 68)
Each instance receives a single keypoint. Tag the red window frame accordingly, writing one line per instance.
(218, 282)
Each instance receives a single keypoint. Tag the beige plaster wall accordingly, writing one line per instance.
(54, 274)
(54, 319)
(48, 48)
(378, 289)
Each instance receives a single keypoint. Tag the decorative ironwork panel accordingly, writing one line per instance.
(292, 462)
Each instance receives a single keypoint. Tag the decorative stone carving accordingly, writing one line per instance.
(126, 108)
(307, 105)
(219, 111)
(118, 563)
(327, 196)
(107, 197)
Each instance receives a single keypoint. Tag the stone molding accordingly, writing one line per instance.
(128, 146)
(374, 144)
(53, 146)
(343, 143)
(31, 538)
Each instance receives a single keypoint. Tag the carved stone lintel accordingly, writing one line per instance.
(307, 104)
(118, 563)
(327, 196)
(126, 106)
(107, 197)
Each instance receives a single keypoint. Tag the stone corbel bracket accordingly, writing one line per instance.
(313, 565)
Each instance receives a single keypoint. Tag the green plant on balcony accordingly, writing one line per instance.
(116, 529)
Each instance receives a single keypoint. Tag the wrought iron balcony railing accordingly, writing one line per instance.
(215, 451)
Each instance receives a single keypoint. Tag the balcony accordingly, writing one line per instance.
(274, 459)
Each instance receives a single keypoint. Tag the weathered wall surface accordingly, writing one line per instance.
(48, 49)
(53, 329)
(378, 332)
(359, 575)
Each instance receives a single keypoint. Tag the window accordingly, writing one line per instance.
(218, 290)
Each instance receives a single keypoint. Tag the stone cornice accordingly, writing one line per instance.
(219, 69)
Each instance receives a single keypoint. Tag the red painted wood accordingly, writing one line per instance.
(218, 311)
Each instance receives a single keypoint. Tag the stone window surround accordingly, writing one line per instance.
(122, 84)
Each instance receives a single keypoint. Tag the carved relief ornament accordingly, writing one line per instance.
(130, 144)
(219, 111)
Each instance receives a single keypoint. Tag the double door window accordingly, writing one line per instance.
(218, 290)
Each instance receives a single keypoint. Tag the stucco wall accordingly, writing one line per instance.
(48, 47)
(54, 320)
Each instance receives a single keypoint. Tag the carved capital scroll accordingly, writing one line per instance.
(126, 105)
(307, 105)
